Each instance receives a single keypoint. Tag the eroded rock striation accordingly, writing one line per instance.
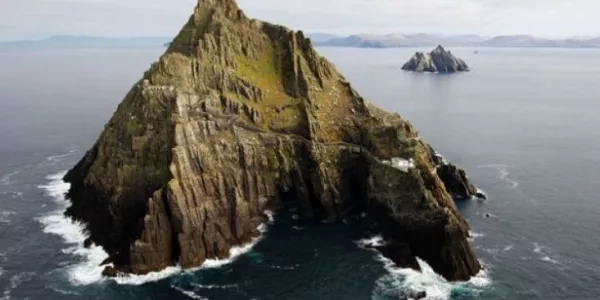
(439, 60)
(236, 116)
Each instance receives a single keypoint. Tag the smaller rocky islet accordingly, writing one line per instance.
(437, 61)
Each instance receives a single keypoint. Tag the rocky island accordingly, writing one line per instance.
(236, 117)
(437, 61)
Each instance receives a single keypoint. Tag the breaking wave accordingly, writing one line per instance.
(400, 280)
(87, 270)
(374, 241)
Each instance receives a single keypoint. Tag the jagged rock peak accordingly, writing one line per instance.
(236, 117)
(439, 49)
(220, 4)
(438, 60)
(229, 8)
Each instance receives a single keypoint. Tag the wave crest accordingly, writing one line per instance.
(400, 280)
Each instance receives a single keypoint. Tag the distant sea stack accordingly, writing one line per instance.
(437, 61)
(237, 117)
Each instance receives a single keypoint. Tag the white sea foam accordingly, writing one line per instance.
(234, 253)
(5, 216)
(436, 287)
(474, 235)
(374, 241)
(271, 215)
(503, 174)
(190, 294)
(15, 281)
(57, 158)
(88, 270)
(481, 192)
(213, 286)
(549, 259)
(543, 256)
(64, 292)
(5, 179)
(508, 248)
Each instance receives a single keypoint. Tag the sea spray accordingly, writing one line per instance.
(87, 269)
(374, 241)
(400, 280)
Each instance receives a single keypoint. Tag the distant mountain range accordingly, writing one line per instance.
(70, 41)
(422, 39)
(321, 39)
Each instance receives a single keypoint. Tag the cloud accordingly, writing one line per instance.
(488, 17)
(40, 18)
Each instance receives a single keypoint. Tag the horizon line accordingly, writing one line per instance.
(312, 33)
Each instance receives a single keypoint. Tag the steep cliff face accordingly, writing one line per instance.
(236, 114)
(438, 60)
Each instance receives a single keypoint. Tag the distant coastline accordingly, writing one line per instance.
(80, 42)
(319, 39)
(428, 40)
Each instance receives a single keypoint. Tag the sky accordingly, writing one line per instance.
(36, 19)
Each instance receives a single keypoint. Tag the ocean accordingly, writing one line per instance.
(523, 122)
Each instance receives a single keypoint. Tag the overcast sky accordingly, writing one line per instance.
(33, 19)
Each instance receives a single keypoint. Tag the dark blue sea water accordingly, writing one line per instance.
(524, 123)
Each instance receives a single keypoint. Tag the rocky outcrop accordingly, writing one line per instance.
(438, 60)
(454, 178)
(456, 181)
(237, 116)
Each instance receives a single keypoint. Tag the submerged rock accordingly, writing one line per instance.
(110, 272)
(235, 117)
(412, 295)
(438, 60)
(418, 295)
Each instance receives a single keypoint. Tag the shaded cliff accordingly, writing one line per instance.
(438, 60)
(455, 179)
(235, 117)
